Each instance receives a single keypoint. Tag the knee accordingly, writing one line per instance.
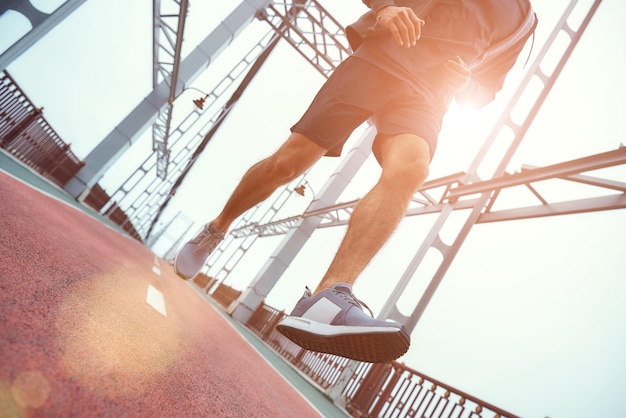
(414, 175)
(407, 176)
(404, 159)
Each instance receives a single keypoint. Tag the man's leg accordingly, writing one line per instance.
(404, 160)
(332, 321)
(293, 158)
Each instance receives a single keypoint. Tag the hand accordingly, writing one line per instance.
(402, 22)
(457, 75)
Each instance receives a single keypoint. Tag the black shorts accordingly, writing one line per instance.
(358, 90)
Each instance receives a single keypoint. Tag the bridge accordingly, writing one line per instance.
(495, 189)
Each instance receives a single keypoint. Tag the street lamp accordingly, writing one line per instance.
(301, 189)
(198, 102)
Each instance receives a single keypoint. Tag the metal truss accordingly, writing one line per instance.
(168, 29)
(311, 30)
(570, 171)
(339, 214)
(142, 194)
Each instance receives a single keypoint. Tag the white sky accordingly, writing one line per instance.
(530, 314)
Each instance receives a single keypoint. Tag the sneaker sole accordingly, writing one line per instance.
(179, 274)
(367, 344)
(182, 276)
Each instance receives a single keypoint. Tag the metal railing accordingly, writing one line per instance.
(27, 136)
(374, 390)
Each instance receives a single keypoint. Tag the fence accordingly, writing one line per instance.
(373, 390)
(26, 135)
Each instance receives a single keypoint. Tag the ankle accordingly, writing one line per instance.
(328, 283)
(220, 225)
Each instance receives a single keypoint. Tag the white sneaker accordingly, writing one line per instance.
(191, 257)
(333, 322)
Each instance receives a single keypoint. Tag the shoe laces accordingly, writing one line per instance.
(208, 238)
(349, 297)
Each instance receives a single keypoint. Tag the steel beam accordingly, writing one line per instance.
(562, 170)
(41, 23)
(311, 30)
(594, 204)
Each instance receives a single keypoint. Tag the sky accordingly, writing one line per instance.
(529, 316)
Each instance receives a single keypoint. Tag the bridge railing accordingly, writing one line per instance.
(27, 136)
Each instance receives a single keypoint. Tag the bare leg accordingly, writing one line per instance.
(404, 160)
(293, 158)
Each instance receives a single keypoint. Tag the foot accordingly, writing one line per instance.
(333, 322)
(193, 255)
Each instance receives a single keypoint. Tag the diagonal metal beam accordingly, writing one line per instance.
(590, 163)
(594, 204)
(41, 24)
(591, 181)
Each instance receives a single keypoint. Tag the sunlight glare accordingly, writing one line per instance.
(111, 340)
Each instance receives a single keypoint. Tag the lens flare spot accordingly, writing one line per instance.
(30, 389)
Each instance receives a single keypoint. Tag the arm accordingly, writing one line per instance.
(476, 95)
(487, 80)
(484, 85)
(385, 17)
(468, 88)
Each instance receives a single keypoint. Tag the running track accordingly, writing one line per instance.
(93, 324)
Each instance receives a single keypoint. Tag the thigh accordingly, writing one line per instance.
(347, 99)
(408, 112)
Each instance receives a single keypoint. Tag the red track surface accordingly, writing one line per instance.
(79, 339)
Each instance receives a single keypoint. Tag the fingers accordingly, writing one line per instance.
(416, 25)
(403, 23)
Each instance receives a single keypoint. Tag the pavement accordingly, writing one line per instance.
(92, 323)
